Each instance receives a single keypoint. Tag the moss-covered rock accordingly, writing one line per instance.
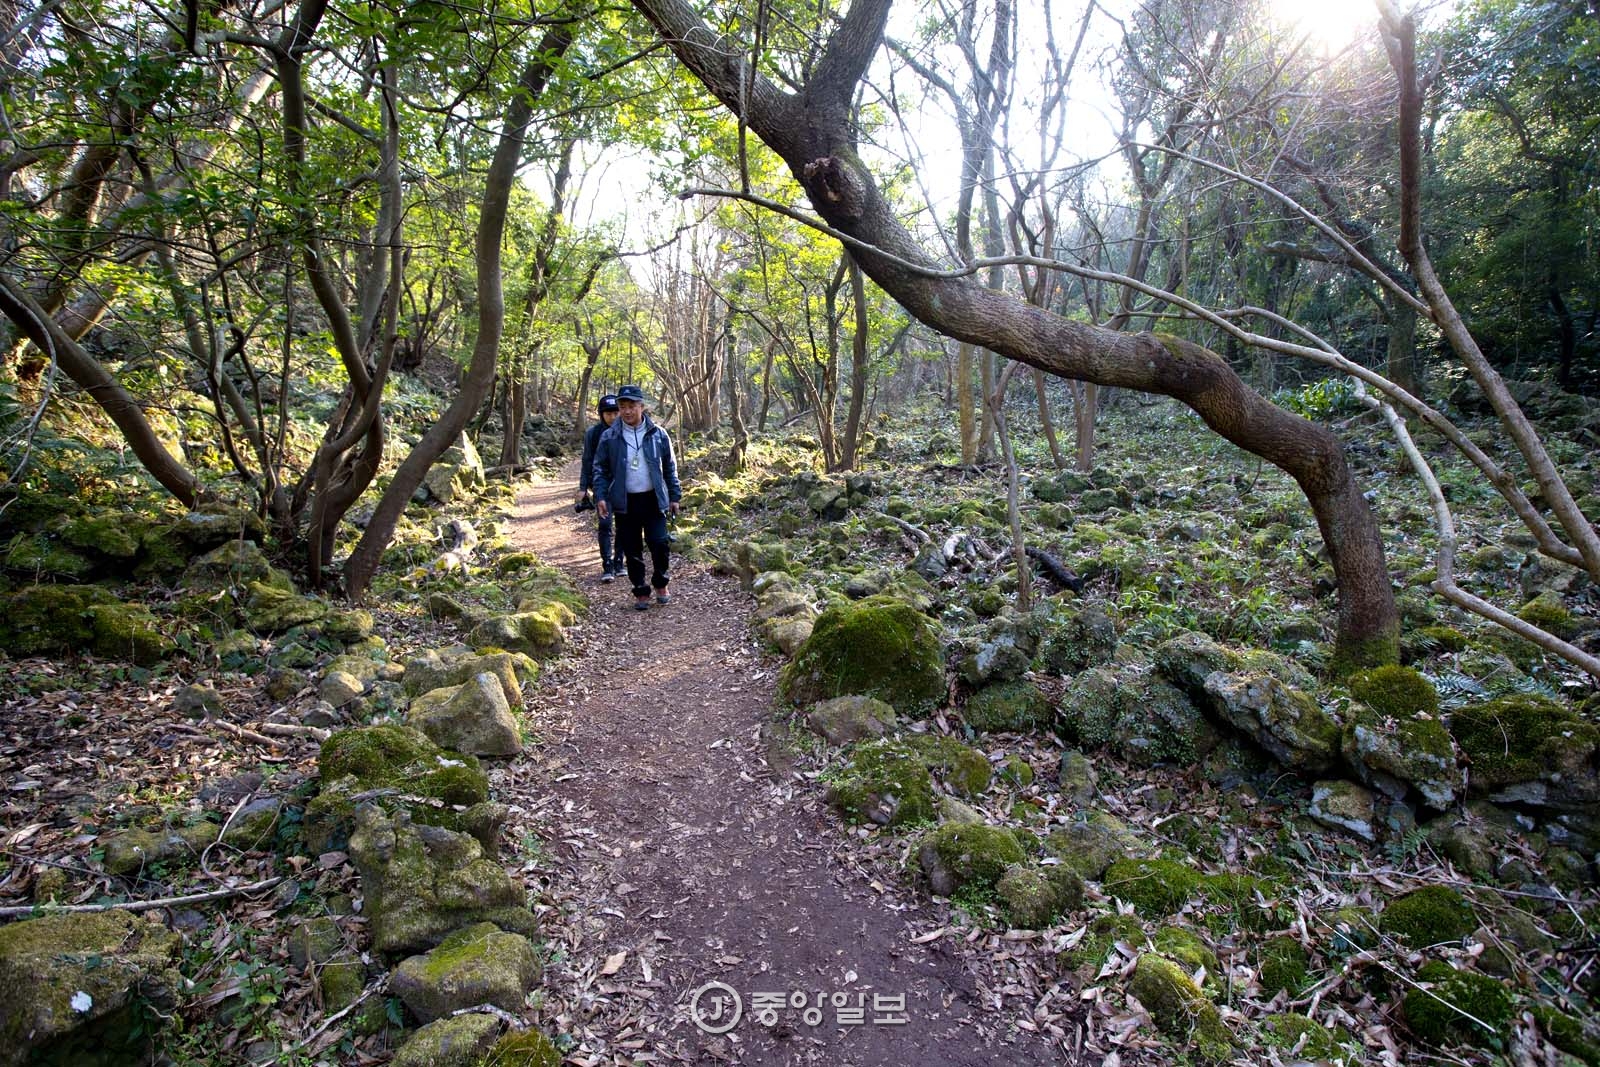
(478, 964)
(1528, 749)
(442, 668)
(759, 557)
(1186, 948)
(1136, 713)
(39, 556)
(70, 985)
(1399, 752)
(459, 1041)
(1155, 887)
(1567, 1034)
(878, 647)
(472, 717)
(1099, 940)
(1019, 706)
(131, 851)
(104, 533)
(885, 782)
(128, 632)
(1454, 1006)
(423, 882)
(529, 1048)
(269, 609)
(1179, 1008)
(1309, 1039)
(1092, 843)
(1345, 806)
(847, 719)
(42, 619)
(1034, 896)
(233, 565)
(340, 982)
(1287, 722)
(404, 769)
(1431, 915)
(964, 770)
(1076, 641)
(1394, 691)
(957, 857)
(1548, 613)
(1282, 963)
(1075, 776)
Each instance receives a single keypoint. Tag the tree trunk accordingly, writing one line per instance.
(811, 131)
(491, 318)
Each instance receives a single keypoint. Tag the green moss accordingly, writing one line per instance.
(879, 647)
(40, 619)
(1429, 916)
(1020, 706)
(1035, 896)
(1016, 772)
(340, 983)
(1566, 1034)
(885, 782)
(1355, 653)
(1548, 613)
(1460, 1007)
(1443, 638)
(1155, 887)
(106, 533)
(529, 1048)
(1312, 1040)
(1179, 1008)
(964, 770)
(401, 759)
(1520, 738)
(1185, 947)
(1091, 843)
(973, 856)
(1283, 962)
(1394, 691)
(129, 632)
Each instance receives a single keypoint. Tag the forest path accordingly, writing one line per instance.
(675, 833)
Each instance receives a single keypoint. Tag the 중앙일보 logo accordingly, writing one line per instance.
(717, 1007)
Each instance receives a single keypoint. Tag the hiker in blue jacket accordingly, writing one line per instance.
(610, 554)
(636, 479)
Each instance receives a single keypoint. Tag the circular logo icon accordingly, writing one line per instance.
(716, 1007)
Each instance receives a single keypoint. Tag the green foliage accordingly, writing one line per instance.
(1323, 399)
(1431, 915)
(1458, 1006)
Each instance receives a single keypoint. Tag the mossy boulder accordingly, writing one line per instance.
(40, 556)
(959, 856)
(1035, 895)
(458, 1041)
(759, 557)
(1136, 713)
(1528, 749)
(1431, 915)
(1155, 887)
(1075, 776)
(218, 521)
(1345, 806)
(1018, 706)
(961, 768)
(233, 565)
(1076, 641)
(884, 782)
(1548, 613)
(1394, 691)
(128, 632)
(130, 851)
(1092, 843)
(1187, 949)
(878, 647)
(478, 964)
(270, 609)
(394, 766)
(1457, 1007)
(1179, 1008)
(1309, 1038)
(109, 534)
(458, 472)
(71, 985)
(473, 717)
(540, 633)
(848, 719)
(1567, 1034)
(442, 668)
(1282, 963)
(42, 619)
(1398, 752)
(424, 882)
(528, 1048)
(1287, 722)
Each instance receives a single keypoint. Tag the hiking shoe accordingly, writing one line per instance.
(608, 574)
(641, 604)
(663, 597)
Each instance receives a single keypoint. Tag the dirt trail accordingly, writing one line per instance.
(676, 834)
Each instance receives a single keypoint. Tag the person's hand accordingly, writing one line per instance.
(602, 509)
(674, 507)
(579, 498)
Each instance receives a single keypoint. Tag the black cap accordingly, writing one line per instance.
(631, 392)
(608, 403)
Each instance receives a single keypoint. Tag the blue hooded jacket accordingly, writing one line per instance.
(610, 473)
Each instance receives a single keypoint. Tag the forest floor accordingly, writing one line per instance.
(686, 848)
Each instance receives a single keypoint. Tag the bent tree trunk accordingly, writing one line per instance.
(811, 130)
(491, 320)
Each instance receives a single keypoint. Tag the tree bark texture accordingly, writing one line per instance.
(811, 131)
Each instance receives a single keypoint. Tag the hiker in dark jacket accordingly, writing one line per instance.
(636, 479)
(610, 553)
